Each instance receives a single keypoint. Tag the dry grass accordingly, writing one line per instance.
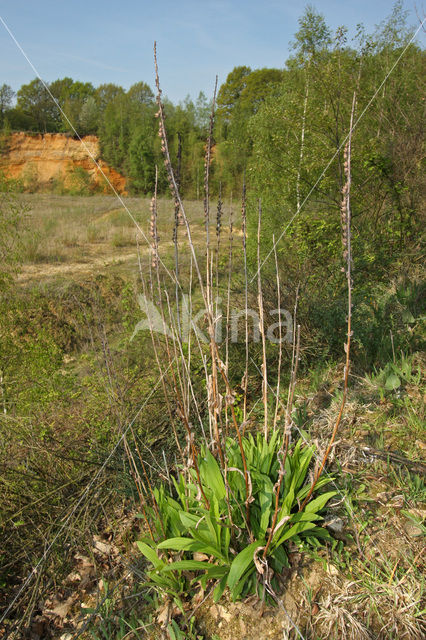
(72, 235)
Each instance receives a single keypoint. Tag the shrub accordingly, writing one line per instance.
(79, 182)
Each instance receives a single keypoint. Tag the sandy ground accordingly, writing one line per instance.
(73, 236)
(47, 270)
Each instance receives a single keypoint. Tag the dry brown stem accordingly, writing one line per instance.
(347, 255)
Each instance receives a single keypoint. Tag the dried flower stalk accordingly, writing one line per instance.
(205, 292)
(262, 328)
(347, 255)
(280, 347)
(153, 232)
(244, 381)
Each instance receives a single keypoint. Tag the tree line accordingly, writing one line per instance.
(278, 127)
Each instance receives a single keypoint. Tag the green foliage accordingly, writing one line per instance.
(141, 158)
(239, 98)
(230, 91)
(387, 321)
(80, 181)
(217, 526)
(12, 215)
(34, 100)
(111, 620)
(395, 375)
(6, 97)
(260, 117)
(140, 95)
(176, 633)
(313, 35)
(412, 484)
(296, 131)
(75, 99)
(57, 426)
(88, 118)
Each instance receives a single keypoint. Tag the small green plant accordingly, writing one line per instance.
(417, 520)
(57, 185)
(412, 484)
(30, 177)
(209, 515)
(79, 181)
(176, 633)
(300, 415)
(394, 375)
(110, 622)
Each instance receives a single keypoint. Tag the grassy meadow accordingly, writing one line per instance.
(81, 235)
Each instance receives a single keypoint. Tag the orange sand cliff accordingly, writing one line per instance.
(45, 158)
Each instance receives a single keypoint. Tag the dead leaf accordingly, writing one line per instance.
(166, 613)
(102, 547)
(61, 609)
(199, 595)
(73, 577)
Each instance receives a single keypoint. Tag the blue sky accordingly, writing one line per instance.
(112, 41)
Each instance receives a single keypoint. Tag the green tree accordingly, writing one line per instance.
(259, 84)
(141, 94)
(231, 90)
(71, 95)
(6, 98)
(114, 131)
(297, 166)
(36, 103)
(313, 35)
(107, 93)
(239, 99)
(202, 113)
(141, 159)
(126, 131)
(88, 118)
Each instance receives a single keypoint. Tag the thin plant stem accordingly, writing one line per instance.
(160, 369)
(228, 306)
(214, 390)
(262, 328)
(347, 255)
(244, 382)
(302, 140)
(206, 298)
(282, 453)
(280, 347)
